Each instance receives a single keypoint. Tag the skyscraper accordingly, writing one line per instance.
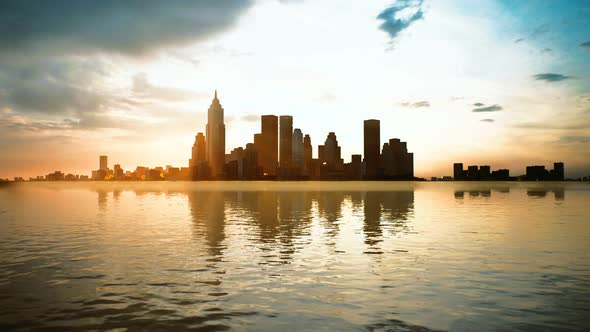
(559, 171)
(307, 155)
(103, 163)
(297, 147)
(372, 145)
(215, 138)
(458, 171)
(286, 145)
(268, 144)
(199, 151)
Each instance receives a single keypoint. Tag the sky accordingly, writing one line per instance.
(504, 83)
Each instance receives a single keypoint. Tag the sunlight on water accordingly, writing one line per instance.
(296, 255)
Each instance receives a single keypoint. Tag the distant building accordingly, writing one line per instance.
(396, 162)
(55, 176)
(329, 155)
(215, 138)
(307, 155)
(286, 144)
(267, 145)
(539, 173)
(559, 171)
(103, 163)
(353, 170)
(297, 149)
(119, 175)
(458, 172)
(199, 150)
(372, 144)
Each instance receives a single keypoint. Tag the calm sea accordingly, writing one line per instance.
(295, 256)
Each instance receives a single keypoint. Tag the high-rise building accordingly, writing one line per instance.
(458, 174)
(331, 163)
(118, 172)
(103, 163)
(397, 163)
(267, 144)
(372, 144)
(297, 148)
(307, 155)
(216, 138)
(559, 171)
(285, 142)
(472, 172)
(199, 151)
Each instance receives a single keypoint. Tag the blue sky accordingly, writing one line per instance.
(496, 82)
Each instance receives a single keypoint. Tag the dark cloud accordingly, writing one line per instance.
(585, 45)
(574, 139)
(487, 120)
(250, 118)
(53, 86)
(492, 108)
(546, 50)
(551, 77)
(127, 27)
(519, 40)
(400, 16)
(478, 104)
(418, 104)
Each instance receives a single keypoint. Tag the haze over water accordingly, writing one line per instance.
(295, 256)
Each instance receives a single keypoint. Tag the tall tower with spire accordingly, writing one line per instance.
(215, 138)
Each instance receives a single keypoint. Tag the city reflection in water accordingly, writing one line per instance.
(294, 256)
(283, 219)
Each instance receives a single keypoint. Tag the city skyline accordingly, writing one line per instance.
(281, 152)
(497, 81)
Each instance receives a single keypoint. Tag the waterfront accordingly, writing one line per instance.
(295, 255)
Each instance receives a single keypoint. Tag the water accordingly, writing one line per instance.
(295, 256)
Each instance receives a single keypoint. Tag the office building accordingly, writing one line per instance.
(286, 144)
(372, 145)
(103, 163)
(215, 138)
(297, 150)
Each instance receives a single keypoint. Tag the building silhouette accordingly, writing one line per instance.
(372, 144)
(286, 144)
(539, 173)
(297, 150)
(396, 162)
(307, 155)
(329, 156)
(479, 173)
(103, 163)
(215, 139)
(266, 144)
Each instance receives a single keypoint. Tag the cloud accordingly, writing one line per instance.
(143, 88)
(551, 77)
(574, 139)
(113, 26)
(418, 104)
(540, 30)
(519, 40)
(546, 50)
(585, 45)
(487, 120)
(52, 86)
(326, 98)
(478, 104)
(400, 16)
(552, 126)
(250, 118)
(492, 108)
